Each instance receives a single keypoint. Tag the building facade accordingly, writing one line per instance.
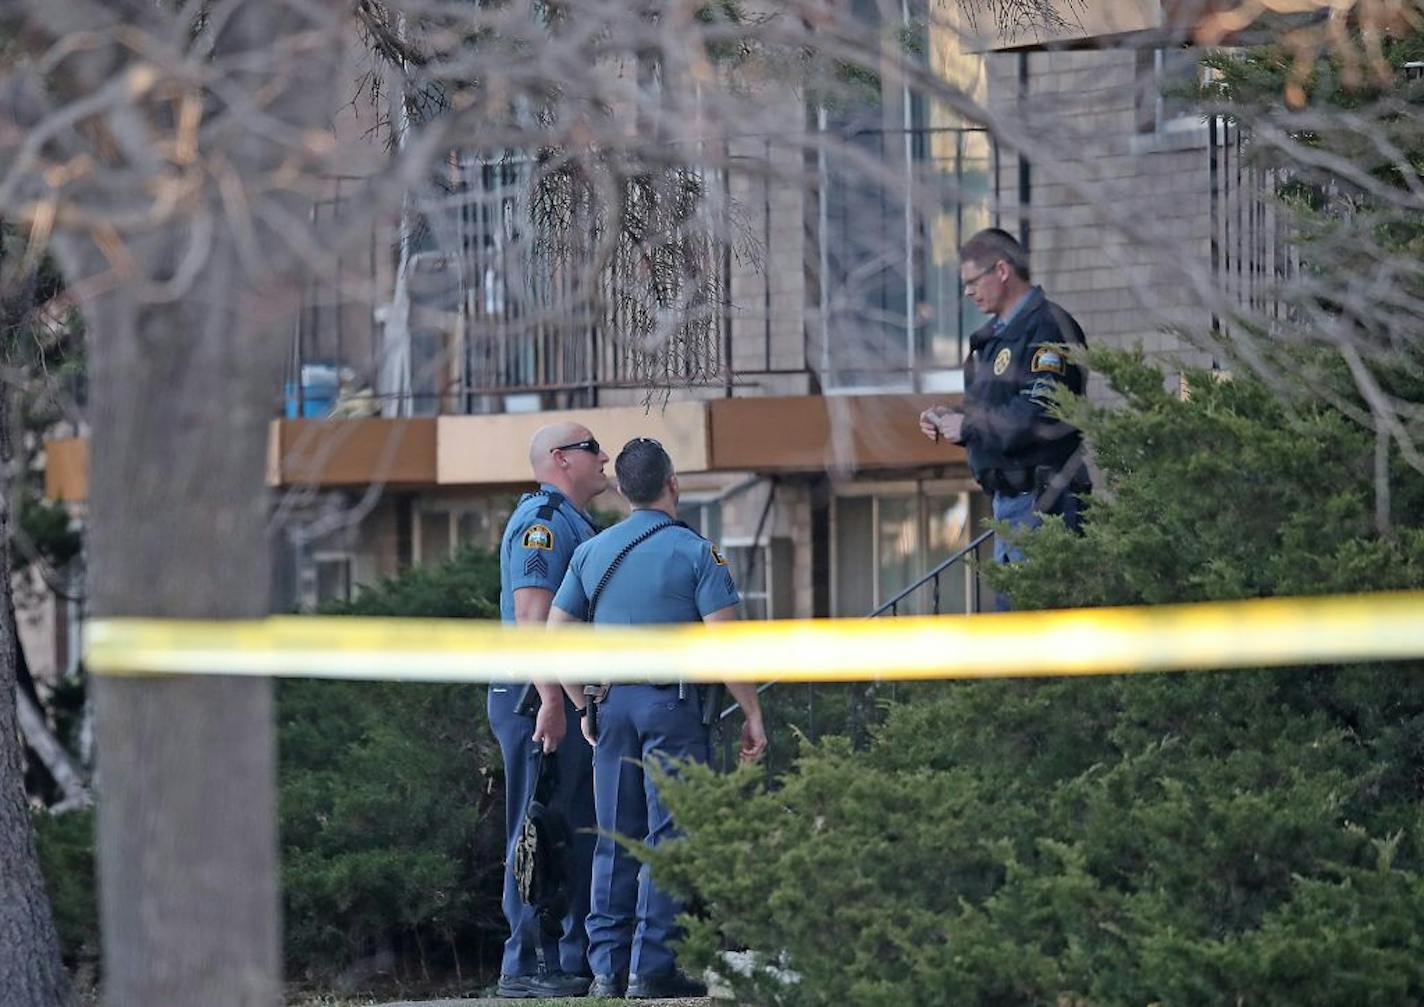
(833, 315)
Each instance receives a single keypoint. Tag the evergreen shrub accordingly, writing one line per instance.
(391, 806)
(1240, 837)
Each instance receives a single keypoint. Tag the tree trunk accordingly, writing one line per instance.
(183, 390)
(31, 974)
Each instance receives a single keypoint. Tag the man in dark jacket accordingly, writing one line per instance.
(1029, 461)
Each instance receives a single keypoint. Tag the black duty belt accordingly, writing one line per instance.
(1039, 480)
(1009, 481)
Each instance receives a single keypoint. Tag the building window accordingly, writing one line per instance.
(703, 517)
(434, 541)
(326, 577)
(884, 539)
(443, 530)
(1166, 81)
(763, 573)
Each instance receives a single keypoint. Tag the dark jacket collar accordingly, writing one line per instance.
(1033, 302)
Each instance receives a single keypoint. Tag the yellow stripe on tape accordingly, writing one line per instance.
(1097, 641)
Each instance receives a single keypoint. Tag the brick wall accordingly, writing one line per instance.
(1114, 212)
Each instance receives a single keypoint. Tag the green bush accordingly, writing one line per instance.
(1244, 837)
(391, 806)
(390, 809)
(66, 853)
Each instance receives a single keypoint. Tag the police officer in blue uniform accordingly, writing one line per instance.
(534, 554)
(648, 569)
(1029, 461)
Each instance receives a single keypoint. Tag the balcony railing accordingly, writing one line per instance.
(1253, 258)
(493, 295)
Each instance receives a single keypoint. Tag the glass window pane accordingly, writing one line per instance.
(703, 518)
(749, 570)
(333, 580)
(948, 532)
(712, 521)
(472, 528)
(854, 556)
(898, 547)
(434, 536)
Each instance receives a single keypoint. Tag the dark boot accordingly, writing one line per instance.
(606, 987)
(665, 987)
(543, 986)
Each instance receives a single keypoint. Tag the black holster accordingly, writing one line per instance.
(528, 702)
(711, 696)
(595, 694)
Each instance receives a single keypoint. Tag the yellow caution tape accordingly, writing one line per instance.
(1099, 641)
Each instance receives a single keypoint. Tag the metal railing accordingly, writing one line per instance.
(1253, 256)
(848, 709)
(502, 282)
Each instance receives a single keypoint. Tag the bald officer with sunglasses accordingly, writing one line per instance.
(538, 542)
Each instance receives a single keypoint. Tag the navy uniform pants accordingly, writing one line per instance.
(631, 921)
(573, 797)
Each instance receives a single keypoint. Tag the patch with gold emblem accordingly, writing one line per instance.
(539, 536)
(1047, 360)
(717, 556)
(1001, 362)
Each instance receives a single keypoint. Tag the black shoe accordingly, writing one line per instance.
(606, 987)
(544, 986)
(663, 987)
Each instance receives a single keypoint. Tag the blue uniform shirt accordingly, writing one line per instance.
(674, 576)
(538, 542)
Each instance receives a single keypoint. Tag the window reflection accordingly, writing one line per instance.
(886, 542)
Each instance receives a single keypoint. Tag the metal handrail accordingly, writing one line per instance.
(892, 605)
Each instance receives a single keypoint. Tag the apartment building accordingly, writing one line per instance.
(791, 411)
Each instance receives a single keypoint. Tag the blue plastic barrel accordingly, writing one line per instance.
(317, 394)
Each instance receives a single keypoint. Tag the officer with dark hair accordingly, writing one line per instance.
(538, 542)
(1028, 460)
(648, 569)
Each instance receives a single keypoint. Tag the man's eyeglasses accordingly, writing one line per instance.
(972, 281)
(589, 444)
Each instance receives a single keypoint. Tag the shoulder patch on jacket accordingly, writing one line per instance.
(717, 556)
(538, 536)
(1047, 360)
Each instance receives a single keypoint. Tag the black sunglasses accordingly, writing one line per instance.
(589, 444)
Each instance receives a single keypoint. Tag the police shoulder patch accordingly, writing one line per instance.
(717, 556)
(1047, 360)
(1001, 361)
(538, 536)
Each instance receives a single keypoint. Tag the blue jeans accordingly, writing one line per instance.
(527, 947)
(1016, 510)
(631, 921)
